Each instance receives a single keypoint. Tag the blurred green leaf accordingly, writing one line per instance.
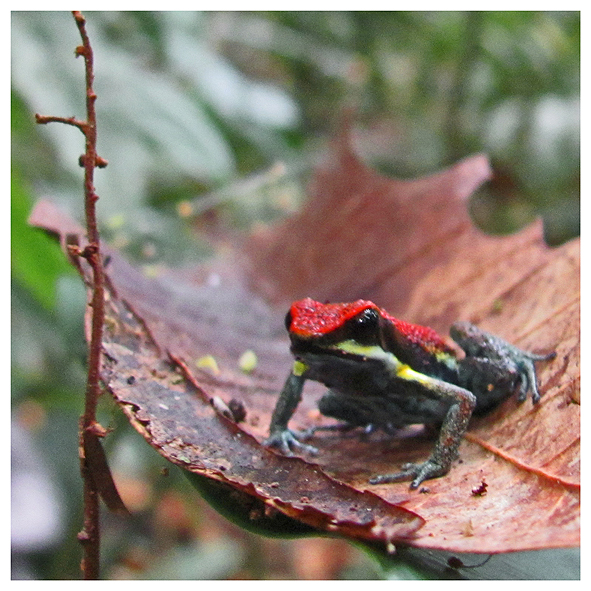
(36, 260)
(207, 560)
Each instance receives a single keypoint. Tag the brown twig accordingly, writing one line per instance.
(90, 430)
(66, 120)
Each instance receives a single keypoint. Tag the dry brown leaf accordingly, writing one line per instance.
(156, 332)
(409, 246)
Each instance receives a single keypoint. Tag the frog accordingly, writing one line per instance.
(383, 373)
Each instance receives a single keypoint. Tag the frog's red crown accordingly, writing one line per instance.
(311, 318)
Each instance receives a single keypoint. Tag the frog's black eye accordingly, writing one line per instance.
(288, 319)
(365, 326)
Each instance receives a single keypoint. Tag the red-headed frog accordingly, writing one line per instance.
(384, 373)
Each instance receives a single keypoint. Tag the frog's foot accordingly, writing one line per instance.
(491, 362)
(525, 362)
(287, 441)
(416, 472)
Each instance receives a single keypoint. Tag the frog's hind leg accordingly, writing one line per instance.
(481, 346)
(353, 411)
(489, 382)
(461, 405)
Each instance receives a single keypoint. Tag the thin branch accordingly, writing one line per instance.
(90, 535)
(90, 431)
(81, 125)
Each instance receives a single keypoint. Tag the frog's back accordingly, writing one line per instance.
(421, 348)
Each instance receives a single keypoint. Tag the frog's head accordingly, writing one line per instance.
(361, 329)
(314, 326)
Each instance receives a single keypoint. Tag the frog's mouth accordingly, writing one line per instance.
(350, 350)
(304, 349)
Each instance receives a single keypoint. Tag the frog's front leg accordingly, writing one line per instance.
(452, 430)
(280, 436)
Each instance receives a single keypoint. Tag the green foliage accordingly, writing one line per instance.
(191, 101)
(37, 260)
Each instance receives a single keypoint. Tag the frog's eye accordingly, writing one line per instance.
(288, 320)
(365, 326)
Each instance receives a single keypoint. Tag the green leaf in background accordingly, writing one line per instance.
(37, 260)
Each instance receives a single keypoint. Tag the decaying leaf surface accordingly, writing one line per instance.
(410, 247)
(157, 331)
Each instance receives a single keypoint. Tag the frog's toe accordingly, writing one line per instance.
(523, 390)
(526, 366)
(429, 469)
(287, 442)
(529, 385)
(529, 382)
(546, 357)
(405, 474)
(415, 472)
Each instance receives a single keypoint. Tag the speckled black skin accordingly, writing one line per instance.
(375, 390)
